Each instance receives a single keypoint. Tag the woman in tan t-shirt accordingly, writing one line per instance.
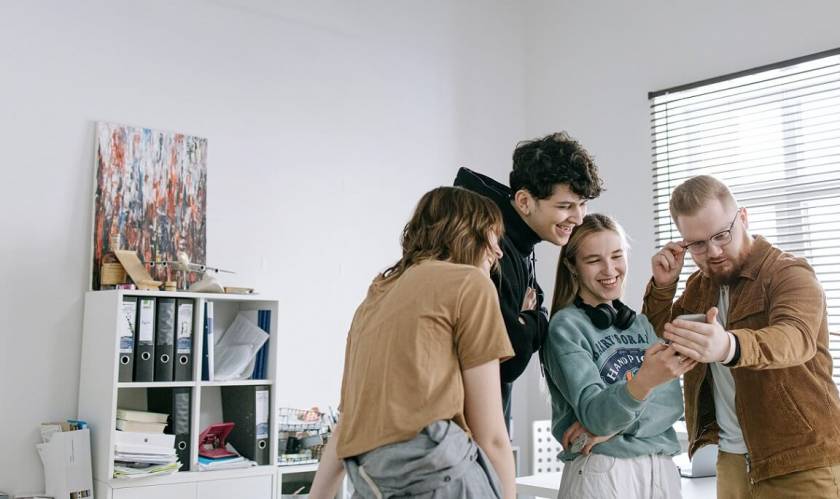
(421, 412)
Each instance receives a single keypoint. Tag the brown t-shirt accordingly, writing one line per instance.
(408, 343)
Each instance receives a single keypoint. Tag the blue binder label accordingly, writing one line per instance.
(184, 345)
(126, 344)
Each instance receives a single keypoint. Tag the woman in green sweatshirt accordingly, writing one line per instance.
(614, 386)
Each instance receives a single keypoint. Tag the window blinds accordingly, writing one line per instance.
(772, 134)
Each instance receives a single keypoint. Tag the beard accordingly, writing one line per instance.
(729, 275)
(725, 277)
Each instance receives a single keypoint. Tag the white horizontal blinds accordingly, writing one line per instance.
(773, 135)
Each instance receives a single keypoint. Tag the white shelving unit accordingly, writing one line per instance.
(293, 475)
(100, 394)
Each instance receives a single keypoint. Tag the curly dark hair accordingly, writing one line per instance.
(540, 164)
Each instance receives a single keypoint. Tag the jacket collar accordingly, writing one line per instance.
(516, 230)
(759, 252)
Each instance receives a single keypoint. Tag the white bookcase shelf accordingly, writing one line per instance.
(157, 384)
(243, 382)
(100, 393)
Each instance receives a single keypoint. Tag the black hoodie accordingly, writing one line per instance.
(526, 329)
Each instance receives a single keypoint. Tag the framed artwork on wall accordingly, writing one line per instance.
(150, 196)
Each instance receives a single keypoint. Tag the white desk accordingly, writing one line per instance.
(548, 485)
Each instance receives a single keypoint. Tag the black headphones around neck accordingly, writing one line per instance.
(604, 315)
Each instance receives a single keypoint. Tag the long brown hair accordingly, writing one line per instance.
(566, 285)
(449, 223)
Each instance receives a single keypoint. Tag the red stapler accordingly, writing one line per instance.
(211, 441)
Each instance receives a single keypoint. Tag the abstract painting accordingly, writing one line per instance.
(151, 191)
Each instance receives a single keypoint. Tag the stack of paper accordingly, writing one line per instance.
(141, 421)
(121, 471)
(139, 454)
(223, 463)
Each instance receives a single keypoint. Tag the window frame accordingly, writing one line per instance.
(793, 215)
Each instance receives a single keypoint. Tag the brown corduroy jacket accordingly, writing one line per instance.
(785, 399)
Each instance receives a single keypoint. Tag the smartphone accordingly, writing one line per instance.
(688, 317)
(693, 317)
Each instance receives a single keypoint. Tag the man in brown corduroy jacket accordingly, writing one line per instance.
(763, 390)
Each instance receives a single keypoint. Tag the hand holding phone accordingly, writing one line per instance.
(687, 317)
(705, 341)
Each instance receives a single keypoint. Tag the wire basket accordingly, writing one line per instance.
(289, 419)
(304, 456)
(302, 435)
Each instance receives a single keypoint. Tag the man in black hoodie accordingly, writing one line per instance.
(551, 181)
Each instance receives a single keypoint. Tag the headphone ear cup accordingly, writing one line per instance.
(602, 316)
(624, 315)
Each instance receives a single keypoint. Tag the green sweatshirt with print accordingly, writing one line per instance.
(586, 371)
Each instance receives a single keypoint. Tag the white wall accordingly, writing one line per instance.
(326, 121)
(591, 65)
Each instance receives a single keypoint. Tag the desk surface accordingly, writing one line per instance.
(548, 485)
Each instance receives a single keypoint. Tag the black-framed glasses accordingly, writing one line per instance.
(720, 239)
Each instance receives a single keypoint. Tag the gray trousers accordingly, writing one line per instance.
(441, 462)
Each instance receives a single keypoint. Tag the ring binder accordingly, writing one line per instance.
(127, 322)
(144, 341)
(184, 339)
(165, 339)
(248, 408)
(177, 403)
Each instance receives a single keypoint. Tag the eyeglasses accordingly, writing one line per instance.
(720, 239)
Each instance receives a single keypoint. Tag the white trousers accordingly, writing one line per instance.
(602, 477)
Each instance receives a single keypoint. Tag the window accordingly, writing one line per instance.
(773, 135)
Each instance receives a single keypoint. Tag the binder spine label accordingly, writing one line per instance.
(184, 340)
(147, 320)
(126, 344)
(262, 413)
(181, 411)
(184, 345)
(165, 339)
(127, 324)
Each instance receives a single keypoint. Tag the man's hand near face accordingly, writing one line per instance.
(667, 263)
